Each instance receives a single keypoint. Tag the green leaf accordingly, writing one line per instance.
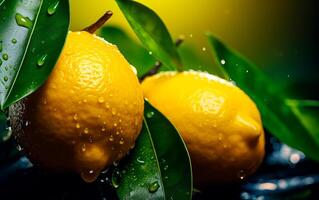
(159, 166)
(152, 32)
(136, 55)
(307, 111)
(277, 117)
(32, 36)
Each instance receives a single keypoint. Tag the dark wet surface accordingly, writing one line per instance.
(285, 174)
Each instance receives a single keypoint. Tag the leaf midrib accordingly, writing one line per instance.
(155, 153)
(35, 21)
(149, 35)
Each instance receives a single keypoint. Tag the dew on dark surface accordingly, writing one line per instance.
(283, 174)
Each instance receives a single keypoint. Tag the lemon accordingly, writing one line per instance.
(220, 124)
(87, 115)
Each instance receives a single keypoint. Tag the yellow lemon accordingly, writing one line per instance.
(220, 124)
(87, 115)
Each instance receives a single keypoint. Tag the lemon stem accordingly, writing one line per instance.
(158, 64)
(99, 23)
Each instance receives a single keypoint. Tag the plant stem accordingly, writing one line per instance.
(99, 23)
(158, 64)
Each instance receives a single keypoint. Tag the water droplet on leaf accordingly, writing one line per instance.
(23, 21)
(53, 8)
(5, 56)
(150, 114)
(153, 187)
(139, 160)
(41, 60)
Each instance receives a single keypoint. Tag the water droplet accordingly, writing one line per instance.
(75, 117)
(53, 8)
(23, 21)
(241, 174)
(78, 125)
(115, 124)
(223, 62)
(107, 105)
(111, 138)
(204, 49)
(117, 133)
(116, 178)
(220, 136)
(5, 78)
(5, 56)
(100, 100)
(85, 100)
(115, 163)
(153, 187)
(113, 111)
(150, 114)
(86, 130)
(103, 129)
(121, 141)
(247, 71)
(165, 167)
(150, 53)
(14, 41)
(19, 148)
(83, 147)
(294, 158)
(6, 135)
(41, 60)
(90, 175)
(139, 160)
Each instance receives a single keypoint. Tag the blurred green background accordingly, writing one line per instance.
(281, 37)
